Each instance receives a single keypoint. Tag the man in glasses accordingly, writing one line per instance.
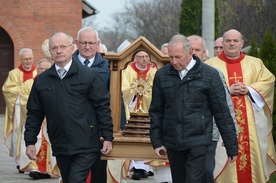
(139, 69)
(11, 89)
(76, 104)
(88, 44)
(40, 168)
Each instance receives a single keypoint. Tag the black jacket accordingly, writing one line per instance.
(76, 108)
(100, 64)
(182, 111)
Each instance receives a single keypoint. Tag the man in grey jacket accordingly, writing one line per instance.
(199, 48)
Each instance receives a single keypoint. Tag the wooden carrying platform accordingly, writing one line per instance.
(133, 141)
(135, 148)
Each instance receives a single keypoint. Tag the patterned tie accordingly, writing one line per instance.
(61, 72)
(86, 62)
(183, 73)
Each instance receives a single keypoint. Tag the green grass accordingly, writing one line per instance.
(272, 178)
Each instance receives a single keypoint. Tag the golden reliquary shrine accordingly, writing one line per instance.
(132, 141)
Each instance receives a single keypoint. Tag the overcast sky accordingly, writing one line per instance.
(105, 8)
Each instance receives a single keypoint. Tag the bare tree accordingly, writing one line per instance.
(250, 17)
(157, 21)
(90, 22)
(114, 36)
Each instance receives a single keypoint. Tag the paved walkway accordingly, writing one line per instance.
(9, 173)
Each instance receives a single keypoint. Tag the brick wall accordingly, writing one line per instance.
(30, 22)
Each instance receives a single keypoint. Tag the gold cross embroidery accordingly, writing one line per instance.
(141, 73)
(235, 77)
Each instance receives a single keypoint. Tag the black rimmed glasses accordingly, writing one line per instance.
(83, 43)
(62, 47)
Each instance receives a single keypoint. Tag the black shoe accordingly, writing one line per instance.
(150, 173)
(136, 176)
(19, 171)
(38, 175)
(144, 174)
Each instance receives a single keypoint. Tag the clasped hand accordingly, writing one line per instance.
(238, 89)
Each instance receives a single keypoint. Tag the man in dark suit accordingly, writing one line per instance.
(88, 44)
(76, 104)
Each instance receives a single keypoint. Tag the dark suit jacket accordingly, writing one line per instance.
(100, 64)
(77, 109)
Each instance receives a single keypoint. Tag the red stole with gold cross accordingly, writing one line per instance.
(243, 163)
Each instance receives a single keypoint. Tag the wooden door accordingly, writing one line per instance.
(6, 62)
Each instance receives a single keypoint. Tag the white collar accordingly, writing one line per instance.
(81, 59)
(66, 67)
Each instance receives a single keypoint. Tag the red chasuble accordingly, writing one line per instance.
(42, 154)
(243, 162)
(42, 159)
(140, 73)
(27, 74)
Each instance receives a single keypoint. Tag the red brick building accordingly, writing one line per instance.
(26, 24)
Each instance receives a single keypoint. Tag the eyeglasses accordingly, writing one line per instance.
(143, 56)
(218, 47)
(62, 47)
(26, 59)
(82, 43)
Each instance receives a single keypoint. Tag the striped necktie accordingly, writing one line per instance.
(61, 72)
(86, 62)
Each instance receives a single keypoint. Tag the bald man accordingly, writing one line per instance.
(218, 48)
(251, 86)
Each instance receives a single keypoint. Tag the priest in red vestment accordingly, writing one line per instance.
(139, 70)
(11, 89)
(251, 86)
(45, 164)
